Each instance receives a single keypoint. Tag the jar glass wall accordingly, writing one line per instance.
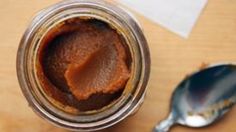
(54, 111)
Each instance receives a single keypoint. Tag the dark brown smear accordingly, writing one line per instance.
(83, 64)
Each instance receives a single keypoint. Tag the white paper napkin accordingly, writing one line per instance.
(179, 16)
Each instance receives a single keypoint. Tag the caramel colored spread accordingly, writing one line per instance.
(83, 64)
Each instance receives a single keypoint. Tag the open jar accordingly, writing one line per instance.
(40, 68)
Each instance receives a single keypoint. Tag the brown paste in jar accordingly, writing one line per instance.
(83, 64)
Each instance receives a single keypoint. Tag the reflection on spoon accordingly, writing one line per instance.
(202, 98)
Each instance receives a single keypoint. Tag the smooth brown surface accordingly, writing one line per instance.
(81, 58)
(212, 40)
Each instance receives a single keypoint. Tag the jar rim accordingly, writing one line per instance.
(144, 63)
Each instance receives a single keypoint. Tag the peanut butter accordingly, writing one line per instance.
(83, 64)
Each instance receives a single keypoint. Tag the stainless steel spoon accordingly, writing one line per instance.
(202, 98)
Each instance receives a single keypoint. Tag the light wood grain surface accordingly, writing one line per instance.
(212, 40)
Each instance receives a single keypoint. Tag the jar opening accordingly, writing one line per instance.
(83, 64)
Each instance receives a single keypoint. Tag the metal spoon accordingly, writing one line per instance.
(202, 98)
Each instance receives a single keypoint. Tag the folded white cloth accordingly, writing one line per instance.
(179, 16)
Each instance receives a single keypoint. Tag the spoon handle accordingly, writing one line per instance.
(165, 125)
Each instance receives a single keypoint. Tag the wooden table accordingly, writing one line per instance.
(212, 40)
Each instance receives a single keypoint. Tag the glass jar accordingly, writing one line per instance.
(134, 92)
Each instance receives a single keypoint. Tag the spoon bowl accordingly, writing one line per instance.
(202, 98)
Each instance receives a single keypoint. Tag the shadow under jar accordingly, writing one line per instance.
(83, 64)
